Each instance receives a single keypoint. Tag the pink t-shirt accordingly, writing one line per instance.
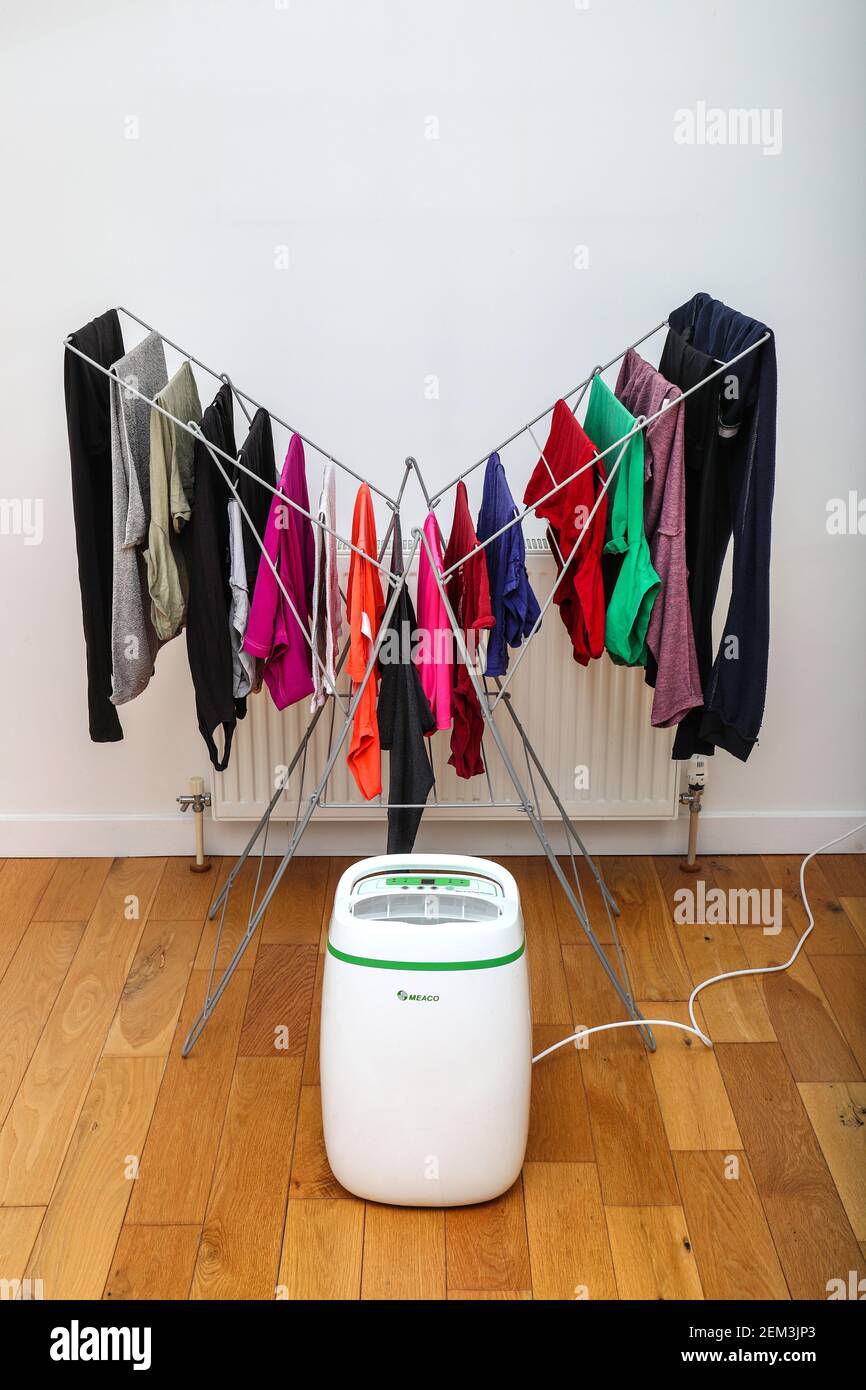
(434, 652)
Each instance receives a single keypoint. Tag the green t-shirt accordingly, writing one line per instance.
(630, 604)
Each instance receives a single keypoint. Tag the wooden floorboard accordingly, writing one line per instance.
(569, 1248)
(631, 1149)
(178, 1160)
(322, 1250)
(655, 959)
(837, 1111)
(278, 1008)
(72, 891)
(404, 1253)
(130, 1173)
(487, 1245)
(804, 1210)
(76, 1241)
(27, 994)
(547, 978)
(733, 1246)
(41, 1120)
(22, 885)
(153, 1262)
(239, 1254)
(19, 1227)
(653, 1256)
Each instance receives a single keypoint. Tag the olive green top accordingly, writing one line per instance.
(171, 488)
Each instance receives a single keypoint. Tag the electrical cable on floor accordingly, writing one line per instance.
(714, 979)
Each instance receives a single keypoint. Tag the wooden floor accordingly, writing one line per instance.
(127, 1172)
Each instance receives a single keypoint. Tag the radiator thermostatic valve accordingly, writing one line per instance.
(697, 772)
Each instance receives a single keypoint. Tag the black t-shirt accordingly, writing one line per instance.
(257, 454)
(206, 546)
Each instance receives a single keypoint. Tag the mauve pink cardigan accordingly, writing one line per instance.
(273, 632)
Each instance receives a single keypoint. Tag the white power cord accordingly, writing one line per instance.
(715, 979)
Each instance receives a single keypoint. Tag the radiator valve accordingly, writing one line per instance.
(197, 798)
(696, 777)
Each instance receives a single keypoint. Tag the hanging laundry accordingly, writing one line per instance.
(298, 520)
(577, 507)
(134, 643)
(630, 582)
(514, 605)
(171, 492)
(327, 623)
(206, 550)
(434, 654)
(246, 669)
(257, 456)
(469, 597)
(729, 489)
(672, 666)
(707, 515)
(365, 609)
(87, 422)
(705, 524)
(404, 717)
(275, 633)
(682, 364)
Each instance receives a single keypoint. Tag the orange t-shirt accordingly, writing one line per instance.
(365, 608)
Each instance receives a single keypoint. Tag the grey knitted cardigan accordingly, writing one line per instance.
(134, 643)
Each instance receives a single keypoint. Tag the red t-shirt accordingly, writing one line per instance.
(580, 592)
(469, 595)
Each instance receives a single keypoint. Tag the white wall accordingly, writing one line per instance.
(305, 125)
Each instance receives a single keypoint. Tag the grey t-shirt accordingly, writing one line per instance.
(134, 643)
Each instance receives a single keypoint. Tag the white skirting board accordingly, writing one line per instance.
(721, 832)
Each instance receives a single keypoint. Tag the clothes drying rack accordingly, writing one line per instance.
(489, 700)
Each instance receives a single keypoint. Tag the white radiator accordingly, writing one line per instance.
(587, 724)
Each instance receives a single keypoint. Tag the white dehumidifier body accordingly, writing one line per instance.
(426, 1037)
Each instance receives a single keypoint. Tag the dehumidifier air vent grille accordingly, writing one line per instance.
(424, 907)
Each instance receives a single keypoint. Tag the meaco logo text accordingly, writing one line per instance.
(76, 1343)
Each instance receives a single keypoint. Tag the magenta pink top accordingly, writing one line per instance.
(434, 654)
(273, 632)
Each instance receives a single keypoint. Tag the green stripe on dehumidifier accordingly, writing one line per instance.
(427, 964)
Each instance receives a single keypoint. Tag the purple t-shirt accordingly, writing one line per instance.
(515, 607)
(670, 639)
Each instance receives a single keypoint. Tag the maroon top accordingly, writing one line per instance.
(469, 595)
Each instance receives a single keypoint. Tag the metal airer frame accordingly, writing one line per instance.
(488, 700)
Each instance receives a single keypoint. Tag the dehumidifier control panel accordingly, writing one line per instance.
(475, 885)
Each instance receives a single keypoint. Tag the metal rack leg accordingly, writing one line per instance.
(566, 819)
(265, 820)
(538, 826)
(571, 836)
(258, 912)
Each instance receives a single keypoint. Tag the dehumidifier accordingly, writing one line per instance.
(426, 1040)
